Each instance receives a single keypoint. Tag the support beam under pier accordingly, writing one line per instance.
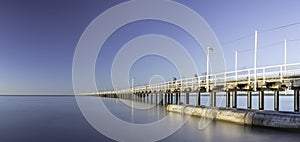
(172, 97)
(228, 99)
(249, 99)
(176, 98)
(198, 101)
(296, 100)
(234, 99)
(166, 99)
(160, 99)
(187, 98)
(261, 100)
(213, 95)
(179, 95)
(276, 100)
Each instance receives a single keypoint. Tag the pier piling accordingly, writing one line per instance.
(187, 98)
(276, 100)
(228, 99)
(249, 99)
(296, 100)
(234, 99)
(213, 95)
(261, 100)
(198, 101)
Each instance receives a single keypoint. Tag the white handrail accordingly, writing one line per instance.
(225, 76)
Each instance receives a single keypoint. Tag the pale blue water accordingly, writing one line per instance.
(58, 119)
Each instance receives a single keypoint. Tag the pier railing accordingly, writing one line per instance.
(269, 78)
(277, 73)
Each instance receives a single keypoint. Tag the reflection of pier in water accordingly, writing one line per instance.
(271, 78)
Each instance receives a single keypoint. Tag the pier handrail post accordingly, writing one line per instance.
(181, 86)
(264, 74)
(281, 77)
(215, 81)
(249, 76)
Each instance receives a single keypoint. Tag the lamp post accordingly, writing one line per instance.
(236, 64)
(255, 60)
(285, 55)
(207, 68)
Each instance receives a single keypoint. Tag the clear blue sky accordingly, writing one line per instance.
(38, 39)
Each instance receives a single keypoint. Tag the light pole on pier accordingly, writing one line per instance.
(207, 68)
(236, 64)
(255, 61)
(285, 53)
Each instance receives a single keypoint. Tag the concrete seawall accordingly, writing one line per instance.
(273, 119)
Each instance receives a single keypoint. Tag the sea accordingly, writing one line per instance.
(59, 119)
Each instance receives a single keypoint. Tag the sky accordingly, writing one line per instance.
(38, 39)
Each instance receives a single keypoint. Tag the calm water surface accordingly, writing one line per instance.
(58, 119)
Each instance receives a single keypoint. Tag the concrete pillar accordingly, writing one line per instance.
(176, 98)
(228, 99)
(171, 98)
(198, 99)
(141, 97)
(155, 98)
(276, 100)
(234, 99)
(213, 98)
(160, 99)
(249, 99)
(166, 98)
(179, 96)
(261, 100)
(187, 98)
(147, 98)
(151, 98)
(296, 100)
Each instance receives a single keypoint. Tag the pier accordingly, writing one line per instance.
(247, 81)
(256, 80)
(270, 78)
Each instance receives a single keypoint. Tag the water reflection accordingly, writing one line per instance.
(59, 119)
(226, 131)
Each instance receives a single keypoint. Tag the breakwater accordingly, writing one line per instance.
(274, 119)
